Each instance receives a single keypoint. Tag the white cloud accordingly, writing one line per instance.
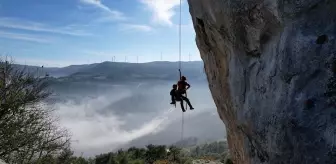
(15, 23)
(163, 10)
(112, 14)
(96, 133)
(25, 37)
(136, 27)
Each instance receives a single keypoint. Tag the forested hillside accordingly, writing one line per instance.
(151, 154)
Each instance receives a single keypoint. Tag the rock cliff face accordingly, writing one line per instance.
(271, 70)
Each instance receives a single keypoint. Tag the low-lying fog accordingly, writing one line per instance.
(104, 117)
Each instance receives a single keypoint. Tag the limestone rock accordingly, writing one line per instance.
(271, 71)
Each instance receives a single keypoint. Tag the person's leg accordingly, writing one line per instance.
(179, 98)
(182, 106)
(188, 102)
(173, 99)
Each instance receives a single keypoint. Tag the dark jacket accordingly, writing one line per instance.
(182, 85)
(173, 92)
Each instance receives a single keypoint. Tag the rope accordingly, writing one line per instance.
(180, 38)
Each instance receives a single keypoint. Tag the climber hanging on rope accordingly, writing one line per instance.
(182, 85)
(177, 94)
(173, 94)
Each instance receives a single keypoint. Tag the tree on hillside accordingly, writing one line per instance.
(150, 154)
(123, 159)
(65, 156)
(214, 149)
(112, 159)
(27, 129)
(154, 153)
(103, 158)
(174, 153)
(79, 160)
(136, 153)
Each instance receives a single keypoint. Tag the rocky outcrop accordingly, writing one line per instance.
(271, 66)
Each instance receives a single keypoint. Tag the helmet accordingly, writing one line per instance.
(174, 86)
(183, 78)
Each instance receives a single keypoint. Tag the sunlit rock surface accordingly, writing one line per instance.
(271, 66)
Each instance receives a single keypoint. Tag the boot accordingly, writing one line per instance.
(182, 107)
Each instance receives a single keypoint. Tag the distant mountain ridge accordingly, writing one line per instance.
(115, 71)
(55, 71)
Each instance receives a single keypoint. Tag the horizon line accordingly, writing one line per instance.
(104, 62)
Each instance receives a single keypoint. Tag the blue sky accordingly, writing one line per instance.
(65, 32)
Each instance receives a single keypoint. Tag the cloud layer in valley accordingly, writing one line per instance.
(105, 121)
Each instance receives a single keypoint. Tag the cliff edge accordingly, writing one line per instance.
(271, 69)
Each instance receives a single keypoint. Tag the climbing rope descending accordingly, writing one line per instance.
(180, 63)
